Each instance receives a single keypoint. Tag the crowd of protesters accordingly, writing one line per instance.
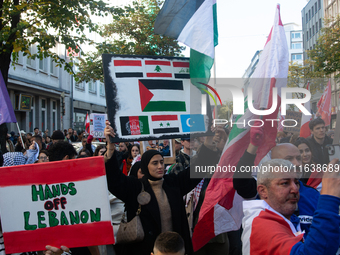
(297, 209)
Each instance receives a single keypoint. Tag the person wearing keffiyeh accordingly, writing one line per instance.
(19, 158)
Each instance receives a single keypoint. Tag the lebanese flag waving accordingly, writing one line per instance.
(222, 207)
(87, 123)
(305, 131)
(324, 105)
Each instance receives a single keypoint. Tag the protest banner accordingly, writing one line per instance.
(55, 203)
(97, 124)
(151, 98)
(290, 125)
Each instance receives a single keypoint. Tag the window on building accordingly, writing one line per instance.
(80, 85)
(92, 87)
(313, 30)
(316, 7)
(310, 33)
(31, 62)
(43, 65)
(319, 4)
(296, 35)
(320, 24)
(309, 16)
(312, 11)
(316, 27)
(306, 18)
(296, 57)
(54, 115)
(307, 36)
(31, 117)
(296, 45)
(102, 89)
(43, 114)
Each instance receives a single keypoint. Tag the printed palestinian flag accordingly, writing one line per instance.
(163, 124)
(157, 95)
(135, 125)
(40, 207)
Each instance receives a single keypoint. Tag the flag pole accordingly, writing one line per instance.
(22, 141)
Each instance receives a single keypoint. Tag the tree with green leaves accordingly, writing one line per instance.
(326, 54)
(43, 23)
(130, 33)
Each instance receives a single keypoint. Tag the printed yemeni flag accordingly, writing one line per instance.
(193, 23)
(128, 68)
(160, 99)
(135, 125)
(87, 123)
(40, 207)
(324, 105)
(222, 207)
(163, 124)
(304, 130)
(6, 109)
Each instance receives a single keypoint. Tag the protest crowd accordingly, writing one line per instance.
(297, 209)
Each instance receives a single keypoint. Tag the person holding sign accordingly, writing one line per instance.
(164, 209)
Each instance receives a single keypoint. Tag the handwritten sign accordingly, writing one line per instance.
(56, 203)
(97, 124)
(293, 116)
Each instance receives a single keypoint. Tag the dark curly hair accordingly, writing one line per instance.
(58, 151)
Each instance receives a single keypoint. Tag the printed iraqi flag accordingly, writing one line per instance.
(181, 69)
(135, 125)
(55, 203)
(163, 124)
(193, 23)
(162, 95)
(222, 208)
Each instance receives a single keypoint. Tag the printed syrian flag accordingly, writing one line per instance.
(40, 207)
(164, 124)
(222, 208)
(87, 123)
(158, 95)
(6, 109)
(134, 125)
(324, 105)
(304, 130)
(193, 23)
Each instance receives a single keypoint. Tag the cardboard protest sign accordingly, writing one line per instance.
(97, 124)
(292, 118)
(150, 97)
(56, 203)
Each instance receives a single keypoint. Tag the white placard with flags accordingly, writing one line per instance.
(97, 124)
(152, 97)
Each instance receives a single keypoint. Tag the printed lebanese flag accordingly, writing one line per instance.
(325, 105)
(55, 203)
(222, 208)
(158, 68)
(87, 123)
(304, 130)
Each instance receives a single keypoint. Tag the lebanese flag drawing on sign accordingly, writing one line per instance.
(222, 207)
(304, 130)
(55, 203)
(324, 105)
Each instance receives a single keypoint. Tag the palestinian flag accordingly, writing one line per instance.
(40, 207)
(193, 23)
(134, 125)
(157, 95)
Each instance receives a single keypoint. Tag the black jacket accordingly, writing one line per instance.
(175, 186)
(320, 152)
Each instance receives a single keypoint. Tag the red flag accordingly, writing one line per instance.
(280, 126)
(305, 131)
(324, 105)
(222, 207)
(87, 123)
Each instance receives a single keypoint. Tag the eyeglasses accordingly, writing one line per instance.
(43, 158)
